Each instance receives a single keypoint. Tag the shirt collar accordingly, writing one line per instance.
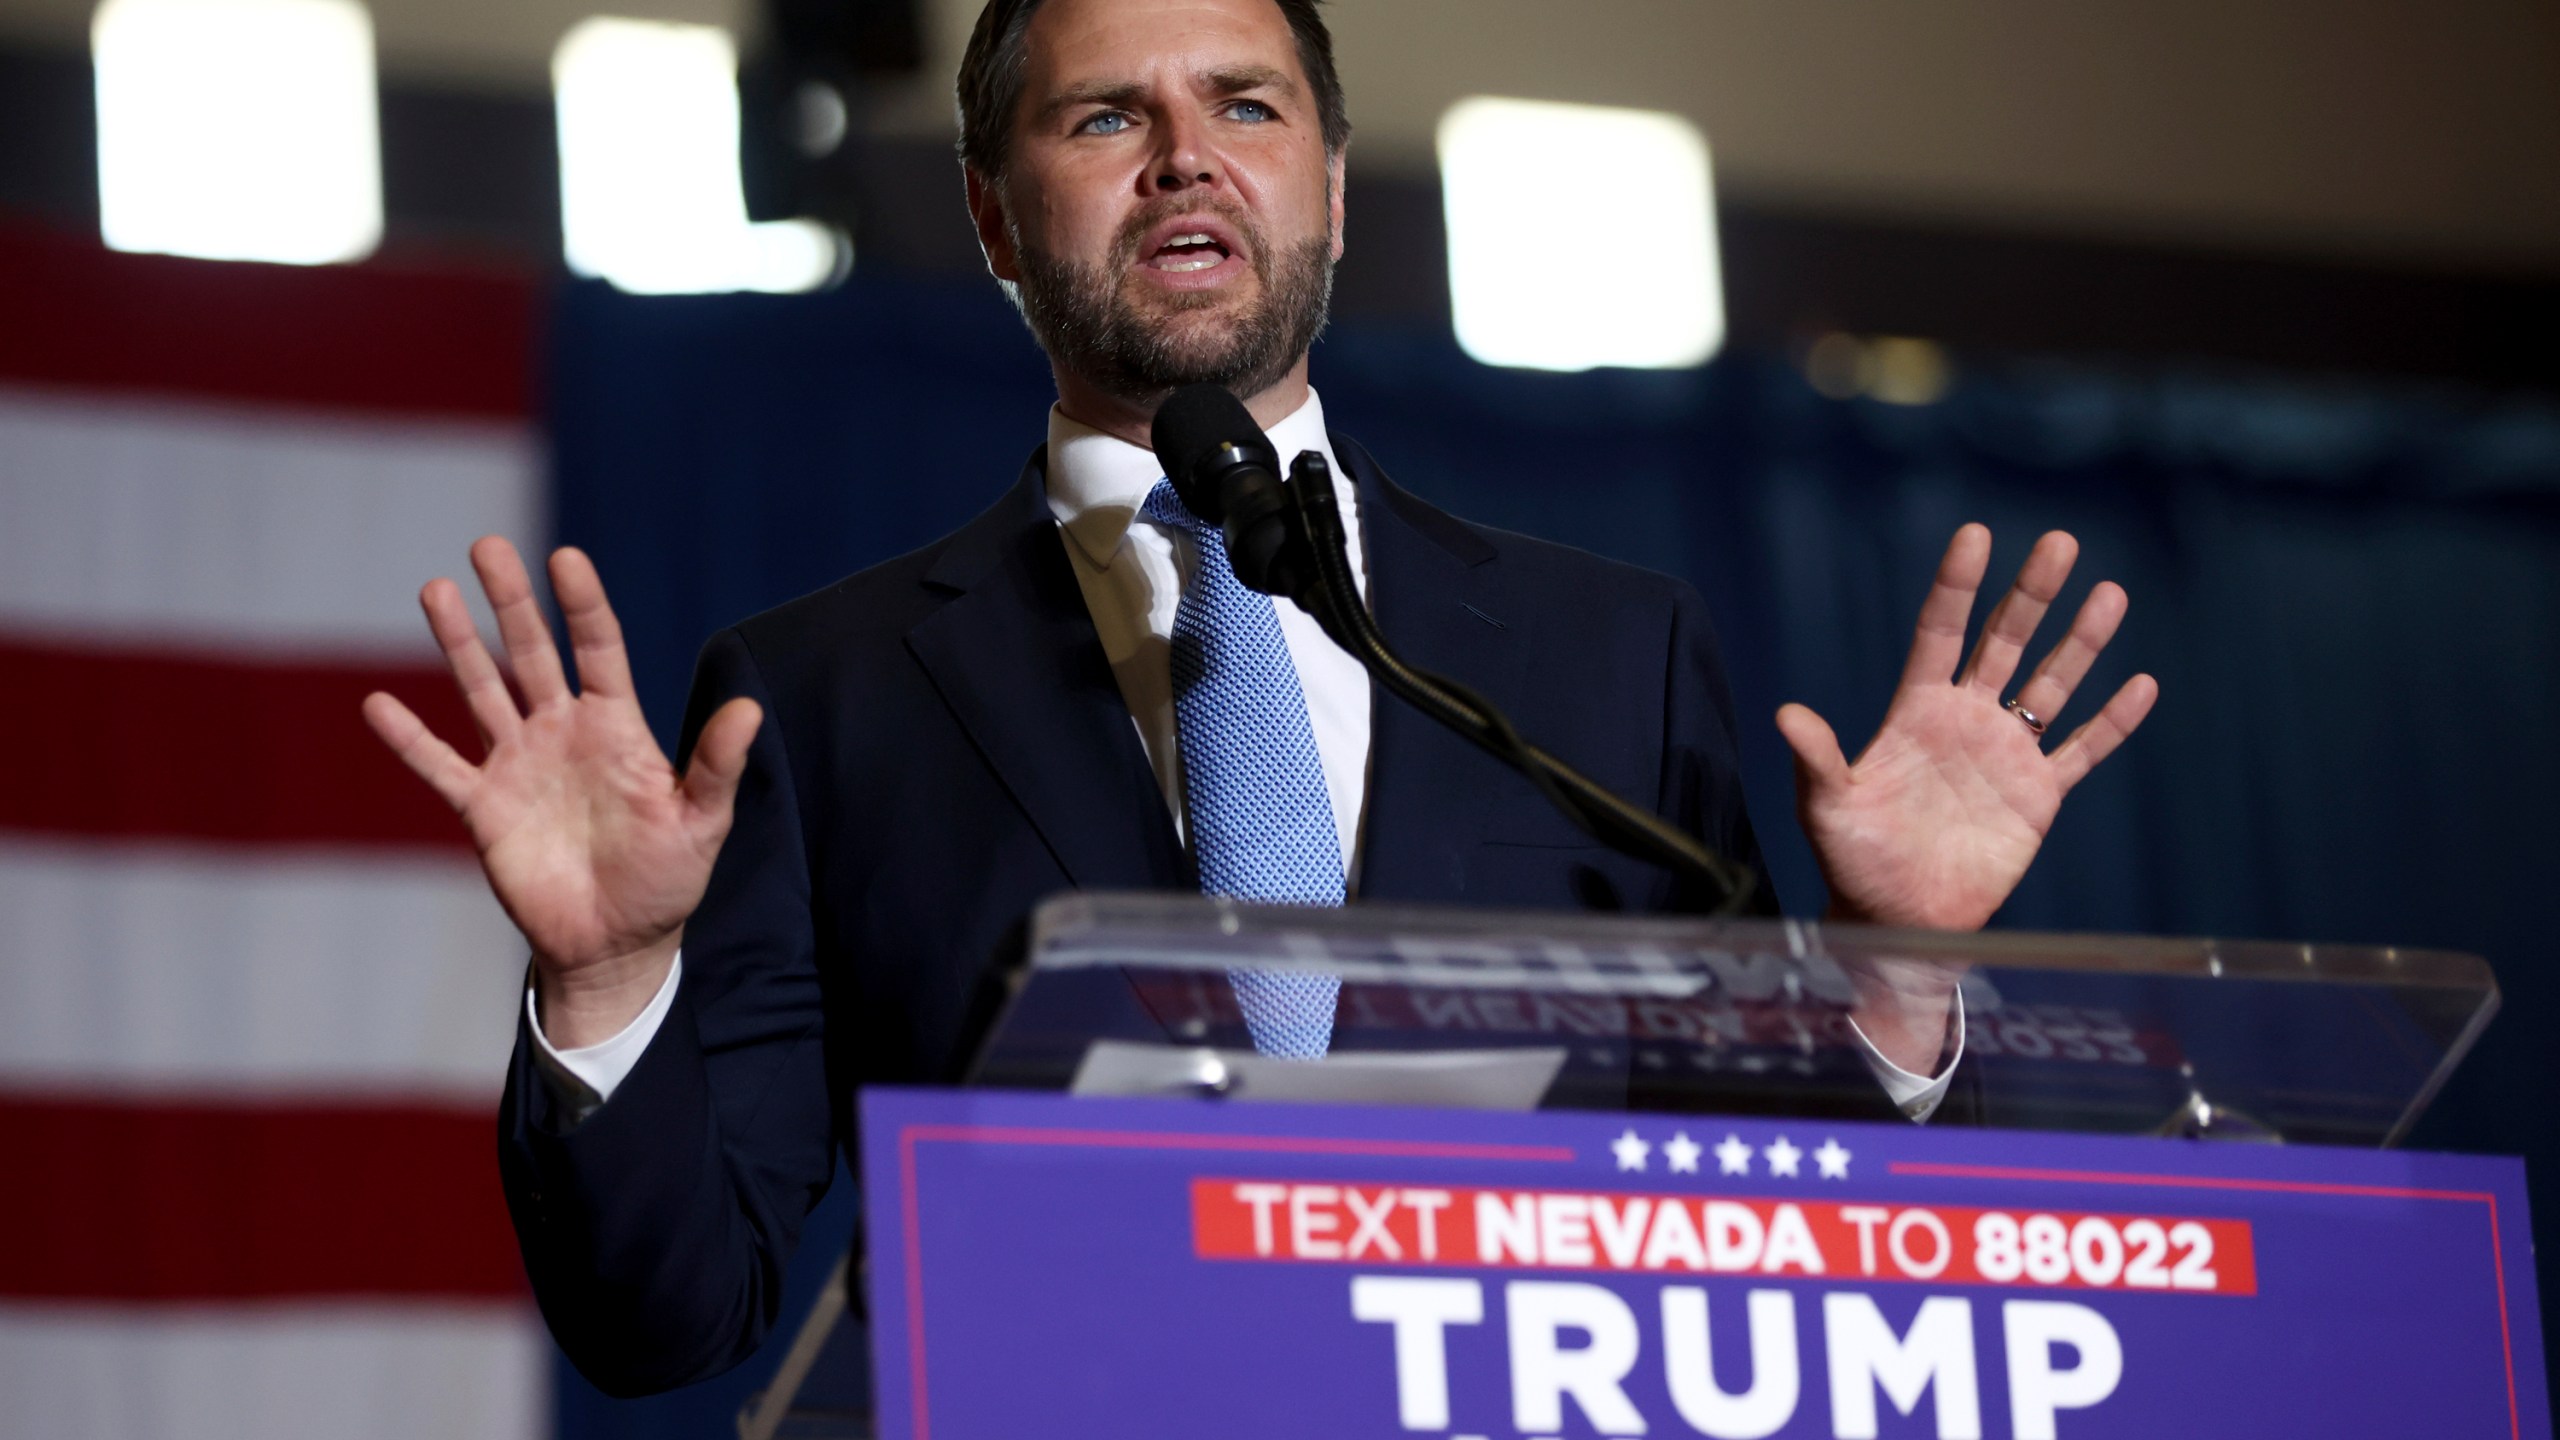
(1097, 482)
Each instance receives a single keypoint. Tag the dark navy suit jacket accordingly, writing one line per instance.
(944, 746)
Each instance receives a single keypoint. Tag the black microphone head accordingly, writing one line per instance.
(1193, 425)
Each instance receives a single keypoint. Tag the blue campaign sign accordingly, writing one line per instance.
(1055, 1267)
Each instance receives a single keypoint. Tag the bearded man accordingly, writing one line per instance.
(886, 776)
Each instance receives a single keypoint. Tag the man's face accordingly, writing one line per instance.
(1168, 210)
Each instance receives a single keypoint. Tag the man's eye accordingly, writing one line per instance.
(1253, 110)
(1109, 122)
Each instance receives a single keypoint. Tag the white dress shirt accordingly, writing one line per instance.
(1916, 1096)
(1132, 570)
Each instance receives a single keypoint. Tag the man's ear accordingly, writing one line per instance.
(1333, 174)
(986, 210)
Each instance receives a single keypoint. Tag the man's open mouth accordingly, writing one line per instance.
(1185, 253)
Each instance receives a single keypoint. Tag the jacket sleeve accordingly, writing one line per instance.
(1702, 756)
(656, 1231)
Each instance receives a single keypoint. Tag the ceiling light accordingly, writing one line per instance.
(1579, 236)
(237, 129)
(649, 192)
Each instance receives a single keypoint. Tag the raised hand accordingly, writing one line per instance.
(1942, 813)
(594, 845)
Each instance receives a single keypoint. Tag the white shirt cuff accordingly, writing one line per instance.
(584, 1078)
(1916, 1096)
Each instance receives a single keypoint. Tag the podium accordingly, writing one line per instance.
(1556, 1167)
(2092, 1034)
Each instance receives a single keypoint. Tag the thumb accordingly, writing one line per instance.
(1819, 763)
(720, 758)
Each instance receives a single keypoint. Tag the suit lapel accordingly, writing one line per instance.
(1428, 587)
(1015, 655)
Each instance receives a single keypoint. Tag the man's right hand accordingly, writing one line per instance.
(595, 846)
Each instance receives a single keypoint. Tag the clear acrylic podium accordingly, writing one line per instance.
(2101, 1034)
(2242, 1040)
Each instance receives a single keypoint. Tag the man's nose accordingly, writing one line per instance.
(1186, 158)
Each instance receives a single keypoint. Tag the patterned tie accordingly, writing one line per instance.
(1261, 820)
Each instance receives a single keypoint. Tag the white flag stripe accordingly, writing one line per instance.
(167, 969)
(324, 1372)
(159, 523)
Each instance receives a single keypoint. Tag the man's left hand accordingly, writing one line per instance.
(1939, 818)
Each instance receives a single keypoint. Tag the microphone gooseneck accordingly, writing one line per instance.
(1596, 810)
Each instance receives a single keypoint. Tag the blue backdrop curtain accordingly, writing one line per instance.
(2350, 594)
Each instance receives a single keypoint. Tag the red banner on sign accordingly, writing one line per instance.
(1684, 1234)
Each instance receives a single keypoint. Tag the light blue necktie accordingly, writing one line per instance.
(1261, 819)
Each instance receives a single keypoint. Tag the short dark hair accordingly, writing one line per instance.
(991, 79)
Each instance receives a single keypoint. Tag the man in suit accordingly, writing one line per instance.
(884, 777)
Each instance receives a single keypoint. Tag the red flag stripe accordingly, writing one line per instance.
(137, 745)
(380, 337)
(175, 1201)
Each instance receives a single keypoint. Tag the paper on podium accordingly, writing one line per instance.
(1511, 1079)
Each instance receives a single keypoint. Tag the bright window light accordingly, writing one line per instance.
(237, 129)
(649, 192)
(1579, 235)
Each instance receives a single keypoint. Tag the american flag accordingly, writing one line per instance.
(255, 1001)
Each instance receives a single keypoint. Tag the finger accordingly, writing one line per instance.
(1939, 641)
(2106, 730)
(720, 758)
(2014, 620)
(1819, 762)
(2049, 689)
(520, 624)
(595, 636)
(483, 688)
(429, 758)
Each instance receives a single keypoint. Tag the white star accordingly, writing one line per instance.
(1782, 1157)
(1733, 1157)
(1833, 1160)
(1682, 1152)
(1631, 1151)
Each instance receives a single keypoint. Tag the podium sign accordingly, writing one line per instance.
(1136, 1268)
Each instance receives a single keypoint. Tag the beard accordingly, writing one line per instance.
(1093, 326)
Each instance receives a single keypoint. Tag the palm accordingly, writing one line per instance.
(593, 844)
(584, 834)
(1940, 816)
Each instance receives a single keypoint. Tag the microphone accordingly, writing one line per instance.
(1228, 474)
(1286, 539)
